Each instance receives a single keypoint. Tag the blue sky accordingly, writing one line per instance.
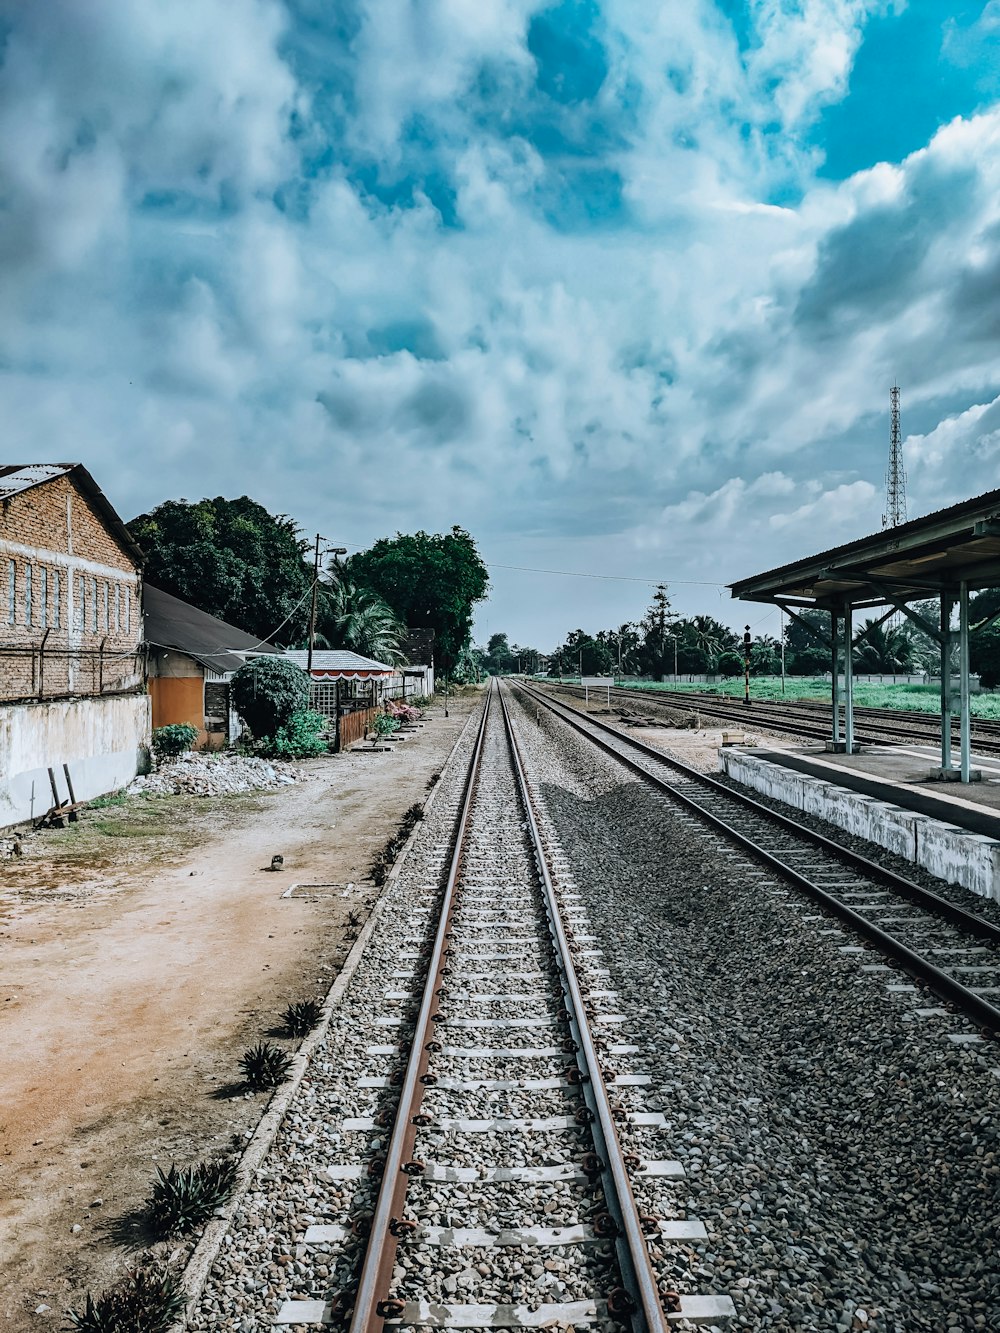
(620, 288)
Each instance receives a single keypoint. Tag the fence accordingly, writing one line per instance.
(409, 683)
(32, 672)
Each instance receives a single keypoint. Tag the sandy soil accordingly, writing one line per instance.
(143, 950)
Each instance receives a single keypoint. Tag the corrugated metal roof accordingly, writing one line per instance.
(337, 659)
(15, 477)
(170, 622)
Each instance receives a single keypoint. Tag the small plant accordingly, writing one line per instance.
(384, 726)
(112, 798)
(174, 739)
(265, 1066)
(301, 1017)
(183, 1200)
(146, 1300)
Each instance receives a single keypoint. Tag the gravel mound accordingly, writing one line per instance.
(199, 774)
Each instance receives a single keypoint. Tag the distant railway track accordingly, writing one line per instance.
(950, 950)
(810, 720)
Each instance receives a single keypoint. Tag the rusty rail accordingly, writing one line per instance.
(372, 1303)
(638, 1304)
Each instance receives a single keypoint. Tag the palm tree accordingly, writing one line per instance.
(356, 618)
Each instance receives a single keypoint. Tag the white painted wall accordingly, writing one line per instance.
(99, 738)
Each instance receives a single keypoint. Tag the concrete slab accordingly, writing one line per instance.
(883, 796)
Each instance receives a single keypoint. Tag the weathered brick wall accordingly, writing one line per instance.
(70, 608)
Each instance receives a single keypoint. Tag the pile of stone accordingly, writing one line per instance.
(199, 774)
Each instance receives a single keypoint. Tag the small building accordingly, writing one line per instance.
(345, 687)
(74, 717)
(191, 658)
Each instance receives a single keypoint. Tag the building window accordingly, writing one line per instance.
(93, 605)
(104, 607)
(56, 614)
(80, 605)
(118, 607)
(27, 595)
(128, 611)
(43, 597)
(11, 591)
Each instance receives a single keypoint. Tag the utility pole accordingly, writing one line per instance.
(746, 665)
(335, 550)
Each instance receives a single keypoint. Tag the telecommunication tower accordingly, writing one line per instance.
(895, 478)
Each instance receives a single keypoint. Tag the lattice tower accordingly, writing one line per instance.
(895, 478)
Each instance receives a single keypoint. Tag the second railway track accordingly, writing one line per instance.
(954, 952)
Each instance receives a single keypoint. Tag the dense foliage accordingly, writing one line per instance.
(355, 617)
(267, 692)
(298, 738)
(430, 581)
(230, 558)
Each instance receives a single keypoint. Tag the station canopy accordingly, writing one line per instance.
(924, 558)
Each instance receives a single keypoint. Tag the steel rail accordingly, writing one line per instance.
(805, 718)
(631, 1250)
(921, 968)
(375, 1277)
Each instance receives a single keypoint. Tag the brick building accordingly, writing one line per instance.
(71, 618)
(71, 670)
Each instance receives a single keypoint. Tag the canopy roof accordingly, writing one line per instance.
(339, 664)
(922, 558)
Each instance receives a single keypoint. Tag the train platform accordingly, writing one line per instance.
(886, 794)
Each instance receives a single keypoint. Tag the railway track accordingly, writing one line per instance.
(872, 726)
(951, 951)
(509, 1101)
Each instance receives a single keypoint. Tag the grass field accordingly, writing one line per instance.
(916, 698)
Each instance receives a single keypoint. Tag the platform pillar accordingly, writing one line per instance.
(946, 605)
(835, 676)
(848, 679)
(963, 679)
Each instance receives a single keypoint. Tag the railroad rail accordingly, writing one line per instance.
(506, 962)
(811, 720)
(930, 940)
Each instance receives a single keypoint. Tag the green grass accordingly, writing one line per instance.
(105, 802)
(914, 698)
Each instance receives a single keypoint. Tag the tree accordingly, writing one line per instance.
(232, 559)
(267, 692)
(358, 619)
(429, 581)
(805, 655)
(885, 648)
(984, 643)
(498, 657)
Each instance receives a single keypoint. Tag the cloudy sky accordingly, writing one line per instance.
(620, 286)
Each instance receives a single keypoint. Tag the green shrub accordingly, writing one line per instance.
(267, 691)
(384, 725)
(182, 1200)
(299, 738)
(174, 740)
(147, 1300)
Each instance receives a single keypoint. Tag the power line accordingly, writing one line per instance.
(614, 578)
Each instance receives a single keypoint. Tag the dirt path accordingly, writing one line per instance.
(143, 950)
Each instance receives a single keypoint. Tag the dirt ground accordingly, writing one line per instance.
(143, 950)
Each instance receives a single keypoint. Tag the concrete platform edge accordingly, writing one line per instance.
(953, 854)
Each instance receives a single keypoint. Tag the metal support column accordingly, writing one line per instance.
(848, 679)
(946, 605)
(835, 682)
(963, 677)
